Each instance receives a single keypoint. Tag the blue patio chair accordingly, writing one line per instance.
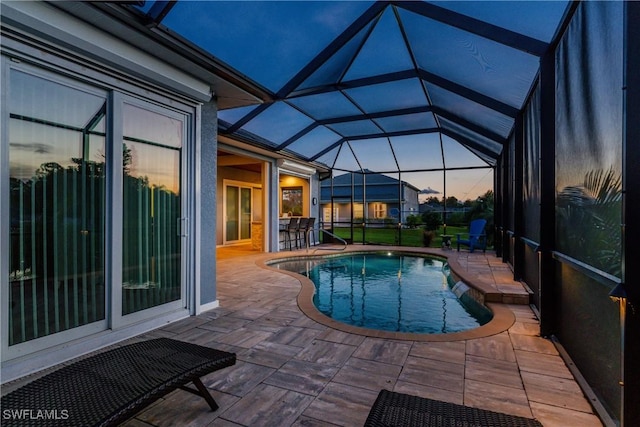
(477, 237)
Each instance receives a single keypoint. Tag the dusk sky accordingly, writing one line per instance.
(272, 41)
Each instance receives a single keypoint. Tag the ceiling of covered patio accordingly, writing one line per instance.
(384, 87)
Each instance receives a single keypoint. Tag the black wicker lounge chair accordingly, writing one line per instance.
(110, 387)
(393, 409)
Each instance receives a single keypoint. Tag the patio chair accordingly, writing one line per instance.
(477, 237)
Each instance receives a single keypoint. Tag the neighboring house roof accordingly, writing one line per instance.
(371, 179)
(379, 187)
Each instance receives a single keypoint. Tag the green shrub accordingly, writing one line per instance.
(413, 221)
(432, 220)
(455, 218)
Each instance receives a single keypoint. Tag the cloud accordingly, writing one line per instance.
(429, 190)
(36, 147)
(338, 15)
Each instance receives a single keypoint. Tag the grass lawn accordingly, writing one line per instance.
(389, 236)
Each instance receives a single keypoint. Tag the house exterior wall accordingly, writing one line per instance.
(410, 205)
(44, 44)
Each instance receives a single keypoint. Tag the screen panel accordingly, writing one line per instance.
(589, 104)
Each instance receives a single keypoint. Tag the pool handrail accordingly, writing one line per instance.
(344, 242)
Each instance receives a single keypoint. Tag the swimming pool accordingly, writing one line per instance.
(390, 292)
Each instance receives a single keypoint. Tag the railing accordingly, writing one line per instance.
(320, 230)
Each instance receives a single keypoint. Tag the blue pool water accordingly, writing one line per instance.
(390, 292)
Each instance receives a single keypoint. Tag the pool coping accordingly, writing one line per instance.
(503, 317)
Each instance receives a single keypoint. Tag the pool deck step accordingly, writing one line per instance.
(490, 276)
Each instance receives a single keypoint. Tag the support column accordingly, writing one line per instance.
(365, 209)
(399, 224)
(506, 203)
(207, 159)
(497, 207)
(518, 191)
(547, 194)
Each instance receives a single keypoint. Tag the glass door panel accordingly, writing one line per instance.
(245, 218)
(57, 207)
(238, 213)
(232, 213)
(151, 242)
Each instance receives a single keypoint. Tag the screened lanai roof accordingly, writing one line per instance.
(381, 86)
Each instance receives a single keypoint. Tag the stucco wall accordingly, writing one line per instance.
(208, 214)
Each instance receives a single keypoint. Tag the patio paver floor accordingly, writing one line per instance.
(292, 371)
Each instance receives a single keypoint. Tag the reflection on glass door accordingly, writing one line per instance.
(151, 242)
(245, 213)
(232, 213)
(237, 213)
(57, 208)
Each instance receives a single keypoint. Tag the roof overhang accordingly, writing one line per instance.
(230, 88)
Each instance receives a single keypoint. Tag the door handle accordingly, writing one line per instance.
(183, 227)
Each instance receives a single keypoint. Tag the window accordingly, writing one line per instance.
(358, 211)
(379, 210)
(292, 201)
(326, 215)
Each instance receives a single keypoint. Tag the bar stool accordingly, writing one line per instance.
(290, 230)
(300, 232)
(310, 227)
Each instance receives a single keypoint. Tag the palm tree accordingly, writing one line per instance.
(589, 220)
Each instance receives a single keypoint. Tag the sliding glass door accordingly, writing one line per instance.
(96, 227)
(238, 200)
